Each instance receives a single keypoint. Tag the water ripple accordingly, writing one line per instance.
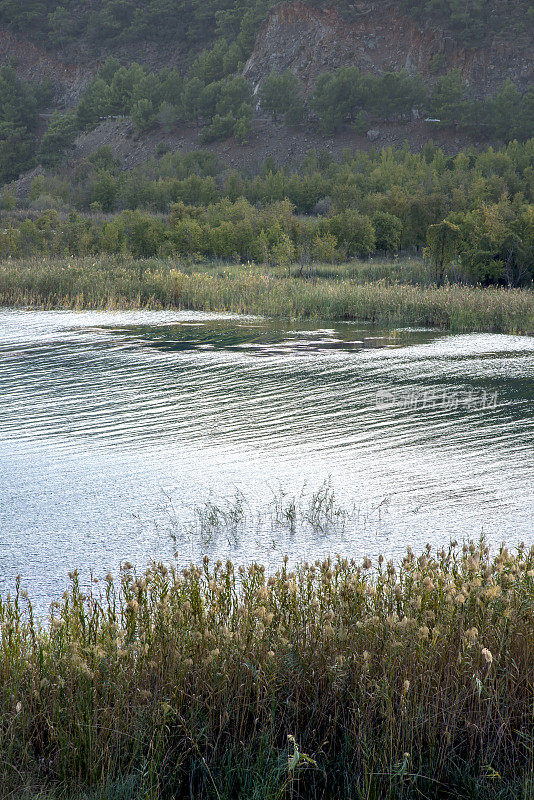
(106, 418)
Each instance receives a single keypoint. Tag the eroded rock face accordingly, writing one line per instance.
(381, 38)
(34, 64)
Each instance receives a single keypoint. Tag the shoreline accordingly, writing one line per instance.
(121, 284)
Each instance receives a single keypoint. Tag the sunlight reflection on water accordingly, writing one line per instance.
(113, 426)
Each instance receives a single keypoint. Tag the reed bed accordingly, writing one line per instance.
(338, 679)
(126, 283)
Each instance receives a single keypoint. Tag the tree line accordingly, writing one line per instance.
(102, 24)
(490, 245)
(419, 188)
(220, 101)
(20, 104)
(473, 214)
(349, 95)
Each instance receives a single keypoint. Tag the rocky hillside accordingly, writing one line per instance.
(33, 63)
(251, 39)
(70, 72)
(310, 40)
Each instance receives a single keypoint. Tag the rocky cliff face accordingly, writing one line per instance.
(34, 64)
(310, 40)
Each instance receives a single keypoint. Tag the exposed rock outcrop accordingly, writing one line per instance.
(311, 40)
(34, 64)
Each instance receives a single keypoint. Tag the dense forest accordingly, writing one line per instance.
(473, 213)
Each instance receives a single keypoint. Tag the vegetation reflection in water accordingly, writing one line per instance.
(261, 334)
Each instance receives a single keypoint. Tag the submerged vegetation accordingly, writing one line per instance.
(341, 292)
(337, 679)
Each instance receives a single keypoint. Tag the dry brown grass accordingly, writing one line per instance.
(126, 283)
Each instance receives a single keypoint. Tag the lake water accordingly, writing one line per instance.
(122, 433)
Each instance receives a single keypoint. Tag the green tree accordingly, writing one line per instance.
(340, 96)
(62, 25)
(220, 128)
(223, 241)
(296, 114)
(168, 116)
(388, 231)
(108, 69)
(443, 244)
(234, 93)
(243, 126)
(191, 98)
(18, 102)
(143, 114)
(210, 66)
(105, 190)
(446, 97)
(497, 242)
(17, 149)
(324, 248)
(123, 85)
(144, 234)
(505, 111)
(283, 252)
(187, 236)
(397, 92)
(102, 159)
(355, 231)
(60, 134)
(280, 93)
(95, 104)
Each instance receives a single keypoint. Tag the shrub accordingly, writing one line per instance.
(355, 231)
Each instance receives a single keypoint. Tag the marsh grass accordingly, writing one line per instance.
(231, 520)
(342, 293)
(317, 512)
(338, 679)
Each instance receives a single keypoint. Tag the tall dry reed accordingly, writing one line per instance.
(126, 283)
(331, 680)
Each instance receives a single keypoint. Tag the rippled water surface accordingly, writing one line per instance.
(115, 426)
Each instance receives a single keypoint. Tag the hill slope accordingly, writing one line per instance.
(486, 42)
(382, 37)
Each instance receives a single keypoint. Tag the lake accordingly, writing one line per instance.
(138, 435)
